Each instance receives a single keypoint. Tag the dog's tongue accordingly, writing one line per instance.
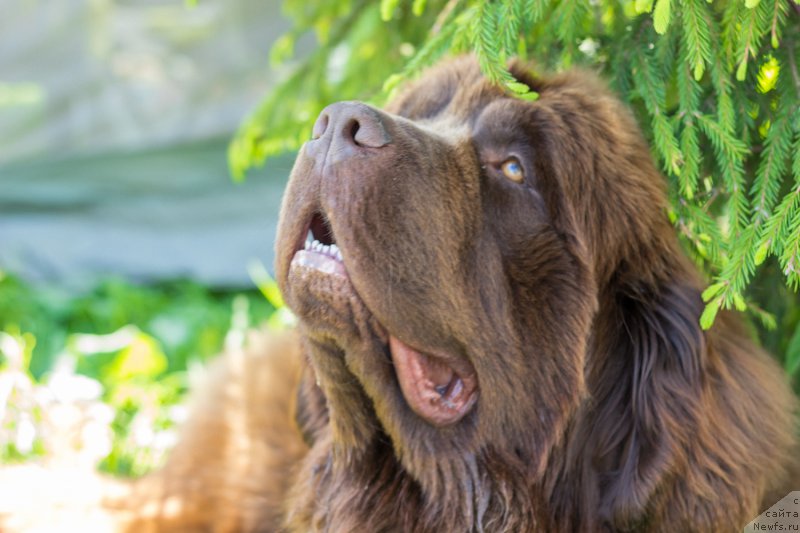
(432, 388)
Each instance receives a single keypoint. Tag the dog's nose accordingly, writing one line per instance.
(347, 127)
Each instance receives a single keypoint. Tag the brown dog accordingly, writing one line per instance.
(498, 332)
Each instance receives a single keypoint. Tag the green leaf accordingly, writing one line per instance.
(666, 143)
(649, 81)
(143, 357)
(730, 152)
(387, 9)
(739, 267)
(712, 291)
(696, 35)
(701, 249)
(752, 25)
(418, 7)
(485, 42)
(643, 6)
(741, 72)
(767, 319)
(434, 48)
(661, 16)
(698, 71)
(265, 283)
(750, 4)
(282, 319)
(518, 87)
(792, 361)
(773, 160)
(761, 253)
(709, 314)
(691, 160)
(567, 20)
(508, 22)
(392, 82)
(739, 303)
(529, 96)
(780, 12)
(672, 215)
(282, 50)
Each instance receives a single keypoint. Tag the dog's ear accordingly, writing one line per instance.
(599, 182)
(310, 409)
(646, 381)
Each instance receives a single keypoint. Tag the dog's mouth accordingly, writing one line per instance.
(438, 387)
(320, 251)
(432, 386)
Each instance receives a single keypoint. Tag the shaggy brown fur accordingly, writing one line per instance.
(491, 354)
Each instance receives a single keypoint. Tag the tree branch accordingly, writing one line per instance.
(444, 14)
(793, 61)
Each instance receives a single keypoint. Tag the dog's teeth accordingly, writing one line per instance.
(335, 252)
(331, 250)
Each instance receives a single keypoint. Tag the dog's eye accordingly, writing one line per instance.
(512, 169)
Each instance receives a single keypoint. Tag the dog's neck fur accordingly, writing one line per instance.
(373, 492)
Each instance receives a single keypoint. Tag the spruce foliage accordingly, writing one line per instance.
(714, 84)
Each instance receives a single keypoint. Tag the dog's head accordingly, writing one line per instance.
(447, 257)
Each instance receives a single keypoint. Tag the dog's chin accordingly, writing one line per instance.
(322, 296)
(320, 291)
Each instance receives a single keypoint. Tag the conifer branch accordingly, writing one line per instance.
(715, 87)
(651, 90)
(793, 66)
(730, 153)
(779, 13)
(695, 35)
(444, 16)
(753, 27)
(775, 230)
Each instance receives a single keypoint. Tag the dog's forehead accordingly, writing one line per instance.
(452, 96)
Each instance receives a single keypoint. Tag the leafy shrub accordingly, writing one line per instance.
(101, 375)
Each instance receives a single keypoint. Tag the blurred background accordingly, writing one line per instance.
(128, 255)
